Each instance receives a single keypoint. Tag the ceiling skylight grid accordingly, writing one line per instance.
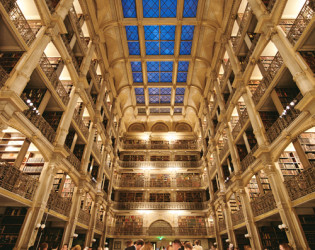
(160, 95)
(159, 8)
(133, 40)
(140, 95)
(159, 71)
(186, 39)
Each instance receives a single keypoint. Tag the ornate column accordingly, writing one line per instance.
(103, 236)
(35, 213)
(255, 240)
(229, 224)
(90, 234)
(216, 228)
(88, 148)
(287, 213)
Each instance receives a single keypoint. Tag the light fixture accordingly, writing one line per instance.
(75, 235)
(38, 226)
(215, 243)
(93, 240)
(28, 101)
(283, 227)
(247, 236)
(227, 240)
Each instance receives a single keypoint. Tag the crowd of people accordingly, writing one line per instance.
(45, 246)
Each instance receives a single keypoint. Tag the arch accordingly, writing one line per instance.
(160, 127)
(136, 127)
(160, 227)
(183, 127)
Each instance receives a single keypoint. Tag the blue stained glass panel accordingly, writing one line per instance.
(132, 33)
(152, 48)
(151, 32)
(139, 91)
(167, 66)
(140, 99)
(129, 8)
(153, 91)
(177, 110)
(179, 99)
(165, 99)
(136, 66)
(190, 8)
(154, 99)
(168, 8)
(187, 32)
(153, 66)
(167, 32)
(150, 8)
(185, 48)
(153, 77)
(181, 76)
(167, 48)
(183, 66)
(166, 77)
(166, 91)
(180, 91)
(137, 77)
(134, 48)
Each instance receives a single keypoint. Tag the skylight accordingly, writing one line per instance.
(159, 8)
(129, 8)
(160, 71)
(190, 8)
(133, 40)
(159, 95)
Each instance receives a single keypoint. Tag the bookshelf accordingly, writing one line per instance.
(186, 196)
(53, 118)
(160, 180)
(268, 118)
(286, 95)
(188, 180)
(307, 141)
(10, 224)
(289, 163)
(160, 197)
(133, 158)
(159, 158)
(191, 224)
(308, 225)
(256, 185)
(129, 223)
(272, 236)
(130, 196)
(132, 180)
(57, 181)
(35, 95)
(186, 158)
(68, 188)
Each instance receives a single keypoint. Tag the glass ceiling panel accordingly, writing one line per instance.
(133, 40)
(159, 8)
(160, 95)
(160, 71)
(180, 91)
(182, 71)
(129, 8)
(139, 91)
(187, 32)
(136, 71)
(190, 8)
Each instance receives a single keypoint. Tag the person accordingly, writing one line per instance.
(169, 247)
(247, 247)
(147, 246)
(55, 246)
(231, 247)
(99, 248)
(197, 245)
(64, 247)
(176, 245)
(130, 245)
(188, 246)
(139, 244)
(76, 247)
(285, 246)
(43, 246)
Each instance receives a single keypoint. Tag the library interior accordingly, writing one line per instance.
(157, 120)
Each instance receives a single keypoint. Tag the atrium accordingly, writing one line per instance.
(157, 120)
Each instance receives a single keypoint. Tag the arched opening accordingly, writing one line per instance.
(160, 227)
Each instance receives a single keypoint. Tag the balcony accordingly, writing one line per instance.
(301, 184)
(238, 217)
(74, 60)
(160, 205)
(263, 204)
(159, 164)
(73, 159)
(222, 225)
(303, 19)
(3, 76)
(50, 72)
(148, 145)
(247, 161)
(39, 122)
(59, 204)
(99, 225)
(157, 231)
(77, 118)
(15, 181)
(19, 20)
(84, 217)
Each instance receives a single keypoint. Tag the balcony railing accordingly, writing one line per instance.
(247, 161)
(3, 76)
(73, 15)
(222, 225)
(96, 150)
(19, 20)
(39, 122)
(224, 149)
(52, 4)
(15, 181)
(84, 217)
(73, 159)
(99, 225)
(301, 184)
(91, 100)
(238, 217)
(160, 205)
(159, 164)
(158, 231)
(263, 204)
(97, 79)
(303, 19)
(50, 72)
(74, 60)
(77, 118)
(59, 204)
(149, 145)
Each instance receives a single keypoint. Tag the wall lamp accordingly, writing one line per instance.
(247, 236)
(38, 226)
(75, 235)
(283, 227)
(93, 240)
(227, 240)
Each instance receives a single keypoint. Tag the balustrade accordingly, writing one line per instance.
(263, 204)
(149, 145)
(73, 159)
(15, 181)
(301, 184)
(3, 76)
(59, 204)
(224, 149)
(247, 161)
(50, 72)
(303, 19)
(99, 225)
(19, 20)
(77, 118)
(238, 217)
(84, 217)
(74, 60)
(222, 225)
(39, 122)
(160, 164)
(74, 17)
(160, 205)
